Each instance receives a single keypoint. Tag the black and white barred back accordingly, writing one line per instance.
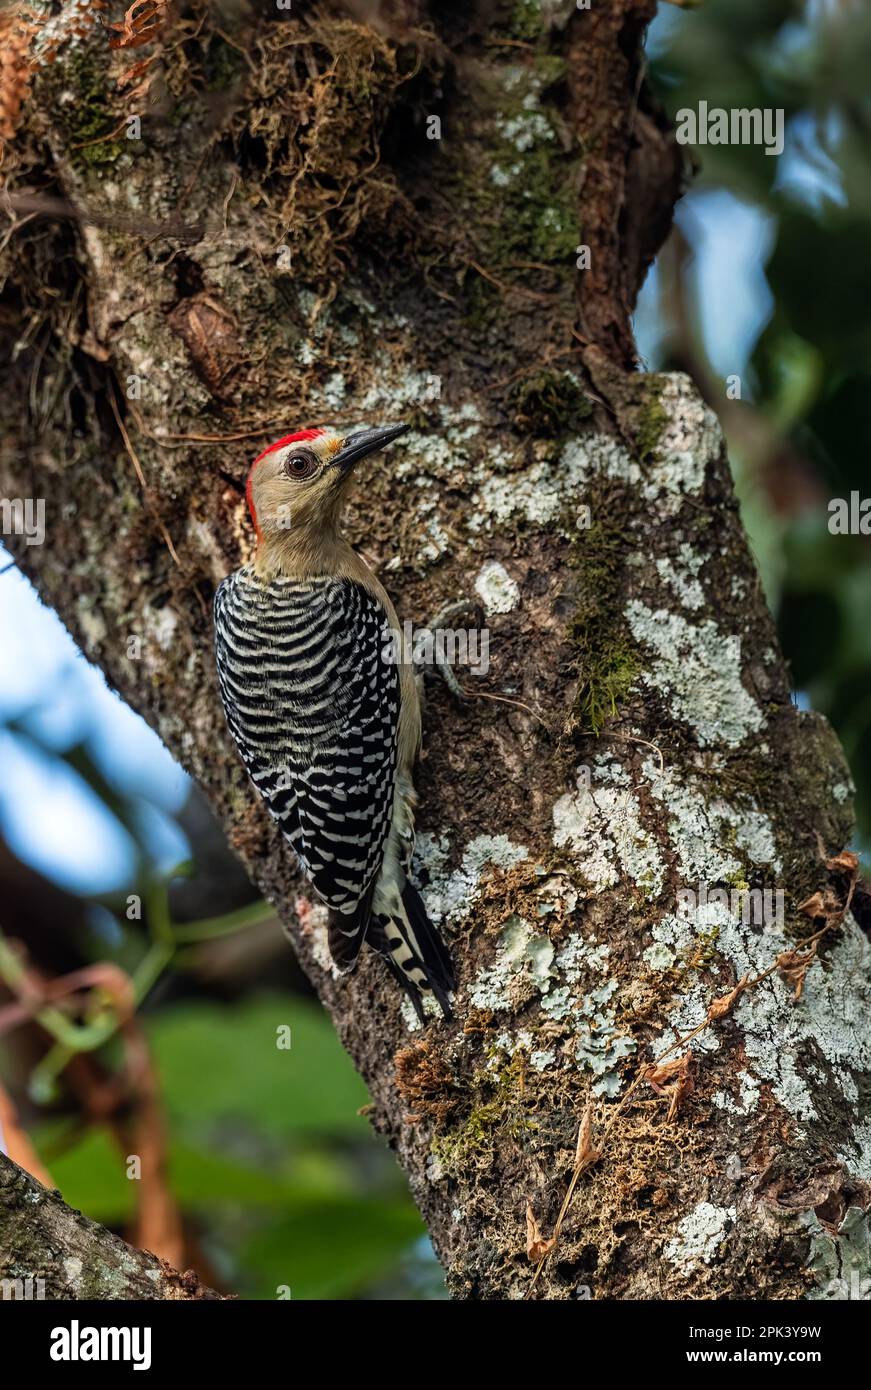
(312, 701)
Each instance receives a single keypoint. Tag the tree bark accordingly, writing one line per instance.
(49, 1251)
(350, 258)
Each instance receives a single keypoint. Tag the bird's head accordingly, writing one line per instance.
(297, 486)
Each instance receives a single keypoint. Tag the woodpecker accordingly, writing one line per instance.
(326, 720)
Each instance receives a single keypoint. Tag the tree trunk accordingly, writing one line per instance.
(49, 1251)
(379, 213)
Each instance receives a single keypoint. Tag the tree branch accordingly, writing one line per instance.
(47, 1250)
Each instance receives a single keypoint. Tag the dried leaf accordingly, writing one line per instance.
(726, 1003)
(794, 965)
(658, 1073)
(536, 1245)
(585, 1152)
(141, 23)
(132, 76)
(814, 906)
(846, 862)
(679, 1092)
(677, 1072)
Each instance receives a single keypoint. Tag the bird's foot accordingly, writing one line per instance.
(450, 644)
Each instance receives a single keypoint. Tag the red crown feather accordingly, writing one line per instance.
(279, 444)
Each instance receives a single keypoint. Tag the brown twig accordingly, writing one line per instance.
(632, 738)
(509, 288)
(503, 700)
(41, 205)
(15, 1142)
(141, 476)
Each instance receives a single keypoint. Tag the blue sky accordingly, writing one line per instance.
(48, 815)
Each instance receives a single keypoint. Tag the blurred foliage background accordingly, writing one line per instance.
(256, 1167)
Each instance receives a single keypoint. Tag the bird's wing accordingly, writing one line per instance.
(312, 700)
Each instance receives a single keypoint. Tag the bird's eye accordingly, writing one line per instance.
(300, 466)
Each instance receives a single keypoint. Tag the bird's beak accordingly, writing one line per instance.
(356, 446)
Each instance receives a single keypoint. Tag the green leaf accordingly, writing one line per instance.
(92, 1176)
(221, 1063)
(331, 1249)
(205, 1179)
(201, 1179)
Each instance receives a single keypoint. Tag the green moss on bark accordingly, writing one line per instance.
(553, 404)
(607, 658)
(652, 421)
(498, 1113)
(90, 118)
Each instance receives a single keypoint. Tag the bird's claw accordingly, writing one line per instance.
(460, 608)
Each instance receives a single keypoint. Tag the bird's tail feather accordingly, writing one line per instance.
(346, 932)
(415, 953)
